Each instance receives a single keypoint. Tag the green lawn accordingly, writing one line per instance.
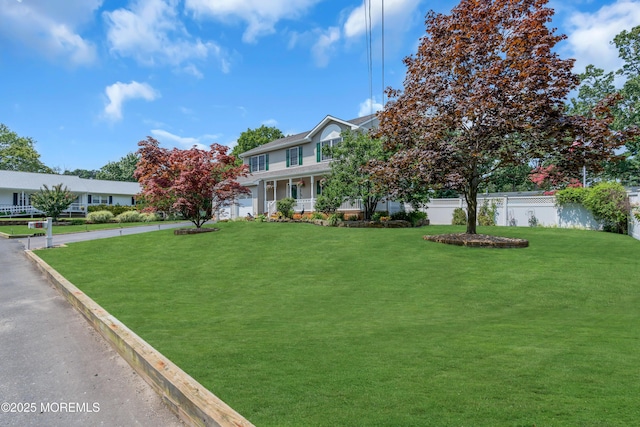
(300, 325)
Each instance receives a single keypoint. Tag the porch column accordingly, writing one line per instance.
(275, 183)
(290, 185)
(265, 203)
(313, 193)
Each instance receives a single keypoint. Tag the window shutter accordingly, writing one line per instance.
(300, 156)
(266, 161)
(318, 154)
(287, 157)
(89, 199)
(110, 200)
(318, 188)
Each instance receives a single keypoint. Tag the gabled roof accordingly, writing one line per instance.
(31, 181)
(292, 140)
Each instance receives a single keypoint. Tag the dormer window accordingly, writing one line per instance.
(322, 156)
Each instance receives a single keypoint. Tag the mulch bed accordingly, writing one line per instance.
(182, 231)
(478, 240)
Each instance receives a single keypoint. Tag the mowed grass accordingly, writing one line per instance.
(299, 325)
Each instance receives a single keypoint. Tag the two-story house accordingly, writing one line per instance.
(293, 166)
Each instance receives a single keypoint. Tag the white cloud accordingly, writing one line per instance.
(50, 29)
(397, 13)
(590, 34)
(183, 142)
(260, 16)
(120, 92)
(270, 122)
(322, 49)
(369, 106)
(151, 33)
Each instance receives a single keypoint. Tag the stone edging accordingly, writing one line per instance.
(193, 403)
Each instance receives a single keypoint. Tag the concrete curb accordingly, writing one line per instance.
(193, 403)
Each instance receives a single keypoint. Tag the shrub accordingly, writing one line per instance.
(487, 214)
(571, 195)
(379, 214)
(353, 218)
(609, 203)
(326, 205)
(100, 217)
(334, 219)
(285, 206)
(149, 217)
(261, 218)
(459, 217)
(416, 217)
(129, 216)
(318, 215)
(400, 216)
(114, 209)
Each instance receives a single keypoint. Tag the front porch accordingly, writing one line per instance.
(11, 211)
(305, 190)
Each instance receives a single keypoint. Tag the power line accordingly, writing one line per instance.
(382, 53)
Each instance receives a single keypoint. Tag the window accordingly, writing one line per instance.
(259, 163)
(92, 199)
(294, 156)
(320, 147)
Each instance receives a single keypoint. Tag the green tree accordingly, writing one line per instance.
(122, 170)
(252, 138)
(486, 90)
(82, 173)
(52, 201)
(596, 85)
(17, 153)
(350, 179)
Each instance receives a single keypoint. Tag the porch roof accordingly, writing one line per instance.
(295, 172)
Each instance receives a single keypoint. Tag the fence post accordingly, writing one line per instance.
(506, 210)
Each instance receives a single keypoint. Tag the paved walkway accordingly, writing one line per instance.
(55, 370)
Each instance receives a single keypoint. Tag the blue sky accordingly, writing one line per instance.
(88, 79)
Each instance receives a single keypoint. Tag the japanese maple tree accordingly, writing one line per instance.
(194, 182)
(485, 91)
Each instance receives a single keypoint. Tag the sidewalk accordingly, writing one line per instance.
(55, 370)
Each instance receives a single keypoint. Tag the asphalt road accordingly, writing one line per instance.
(55, 370)
(61, 239)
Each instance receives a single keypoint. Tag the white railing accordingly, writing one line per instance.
(29, 210)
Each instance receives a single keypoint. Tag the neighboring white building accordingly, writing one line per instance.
(16, 189)
(293, 166)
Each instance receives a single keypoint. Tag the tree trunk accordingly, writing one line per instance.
(369, 208)
(471, 197)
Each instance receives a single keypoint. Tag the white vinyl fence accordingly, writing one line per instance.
(523, 210)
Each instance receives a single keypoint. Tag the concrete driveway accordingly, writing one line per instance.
(55, 370)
